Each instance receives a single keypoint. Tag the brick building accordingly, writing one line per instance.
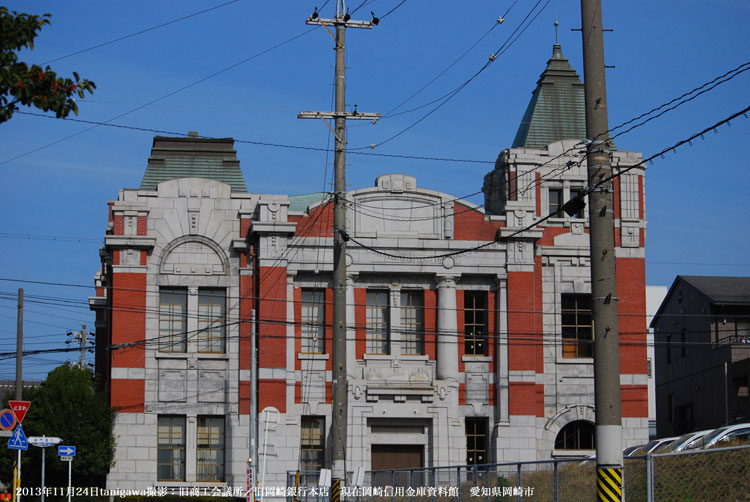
(468, 342)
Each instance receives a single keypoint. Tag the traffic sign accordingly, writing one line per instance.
(66, 451)
(66, 459)
(44, 441)
(19, 408)
(18, 440)
(7, 420)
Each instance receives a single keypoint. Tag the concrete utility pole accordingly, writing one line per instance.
(339, 411)
(603, 286)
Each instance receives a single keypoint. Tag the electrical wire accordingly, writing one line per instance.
(160, 98)
(146, 30)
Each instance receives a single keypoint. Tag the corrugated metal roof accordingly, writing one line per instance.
(557, 108)
(192, 157)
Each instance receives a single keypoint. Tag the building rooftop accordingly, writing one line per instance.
(193, 157)
(721, 290)
(557, 108)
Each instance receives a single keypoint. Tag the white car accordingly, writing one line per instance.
(652, 445)
(686, 442)
(726, 434)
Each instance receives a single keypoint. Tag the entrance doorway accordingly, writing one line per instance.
(397, 456)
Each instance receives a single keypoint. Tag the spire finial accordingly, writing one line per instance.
(557, 23)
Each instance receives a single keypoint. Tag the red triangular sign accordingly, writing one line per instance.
(19, 409)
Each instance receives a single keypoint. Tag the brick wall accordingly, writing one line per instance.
(272, 316)
(128, 319)
(471, 225)
(127, 396)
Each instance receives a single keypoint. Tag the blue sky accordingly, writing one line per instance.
(697, 205)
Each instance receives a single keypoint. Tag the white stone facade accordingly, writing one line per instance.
(422, 390)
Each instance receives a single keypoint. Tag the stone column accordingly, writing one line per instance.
(501, 353)
(447, 329)
(351, 334)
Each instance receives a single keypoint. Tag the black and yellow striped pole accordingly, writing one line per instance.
(609, 484)
(604, 297)
(336, 490)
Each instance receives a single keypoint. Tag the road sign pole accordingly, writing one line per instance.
(43, 450)
(17, 493)
(70, 469)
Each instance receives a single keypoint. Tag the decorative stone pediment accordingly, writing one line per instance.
(194, 255)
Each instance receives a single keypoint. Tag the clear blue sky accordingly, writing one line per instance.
(697, 203)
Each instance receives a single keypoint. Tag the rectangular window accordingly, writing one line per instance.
(313, 321)
(212, 320)
(412, 322)
(476, 441)
(312, 443)
(377, 322)
(173, 319)
(171, 448)
(578, 192)
(475, 323)
(577, 330)
(555, 202)
(210, 449)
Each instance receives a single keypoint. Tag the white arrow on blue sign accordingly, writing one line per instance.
(66, 451)
(18, 440)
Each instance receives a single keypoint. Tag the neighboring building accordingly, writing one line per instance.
(702, 338)
(8, 388)
(468, 342)
(654, 296)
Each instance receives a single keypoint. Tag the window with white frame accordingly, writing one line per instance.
(412, 322)
(313, 321)
(378, 340)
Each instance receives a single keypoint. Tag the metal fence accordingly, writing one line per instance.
(712, 475)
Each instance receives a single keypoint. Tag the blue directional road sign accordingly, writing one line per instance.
(66, 451)
(18, 440)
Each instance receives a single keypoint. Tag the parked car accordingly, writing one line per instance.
(652, 445)
(684, 442)
(737, 432)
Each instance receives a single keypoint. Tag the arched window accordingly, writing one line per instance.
(577, 435)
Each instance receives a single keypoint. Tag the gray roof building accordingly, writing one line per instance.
(193, 157)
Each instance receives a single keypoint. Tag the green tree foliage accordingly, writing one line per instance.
(69, 406)
(32, 86)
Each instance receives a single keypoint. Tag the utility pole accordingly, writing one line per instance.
(19, 386)
(340, 236)
(603, 265)
(19, 347)
(83, 341)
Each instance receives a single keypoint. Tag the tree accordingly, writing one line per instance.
(69, 406)
(32, 86)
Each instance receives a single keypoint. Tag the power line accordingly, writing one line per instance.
(172, 93)
(146, 30)
(503, 48)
